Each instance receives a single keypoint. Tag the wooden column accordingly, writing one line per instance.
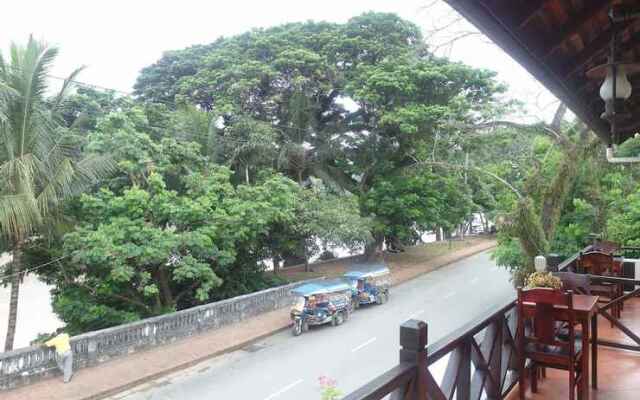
(413, 343)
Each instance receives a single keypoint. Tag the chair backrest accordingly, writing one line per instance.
(537, 307)
(577, 283)
(606, 246)
(596, 263)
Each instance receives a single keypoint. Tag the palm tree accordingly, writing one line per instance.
(39, 165)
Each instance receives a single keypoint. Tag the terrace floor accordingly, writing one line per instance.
(618, 370)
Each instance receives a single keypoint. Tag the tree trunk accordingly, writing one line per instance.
(276, 264)
(373, 249)
(485, 223)
(438, 234)
(246, 173)
(16, 267)
(306, 258)
(165, 289)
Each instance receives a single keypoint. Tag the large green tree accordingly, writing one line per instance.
(354, 104)
(39, 163)
(151, 250)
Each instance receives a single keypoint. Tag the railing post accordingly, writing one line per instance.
(463, 386)
(413, 343)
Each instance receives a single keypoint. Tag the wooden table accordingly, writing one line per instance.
(586, 313)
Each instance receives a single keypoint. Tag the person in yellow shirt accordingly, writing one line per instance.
(64, 355)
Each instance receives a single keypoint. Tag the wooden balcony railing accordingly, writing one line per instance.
(408, 379)
(482, 362)
(481, 356)
(632, 287)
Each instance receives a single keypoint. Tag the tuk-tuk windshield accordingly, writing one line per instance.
(298, 304)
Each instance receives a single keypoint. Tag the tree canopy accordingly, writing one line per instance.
(272, 147)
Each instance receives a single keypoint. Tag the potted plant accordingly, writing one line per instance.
(543, 280)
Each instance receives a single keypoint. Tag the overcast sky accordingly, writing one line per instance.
(117, 38)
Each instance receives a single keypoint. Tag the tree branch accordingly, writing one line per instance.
(92, 290)
(491, 174)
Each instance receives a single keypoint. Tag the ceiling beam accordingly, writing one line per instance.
(598, 46)
(530, 11)
(590, 51)
(524, 13)
(631, 44)
(591, 10)
(500, 28)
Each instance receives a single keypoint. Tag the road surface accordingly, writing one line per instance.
(283, 367)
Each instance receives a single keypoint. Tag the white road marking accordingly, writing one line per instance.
(449, 295)
(474, 280)
(415, 314)
(284, 389)
(368, 342)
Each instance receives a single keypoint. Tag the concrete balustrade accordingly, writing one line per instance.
(27, 365)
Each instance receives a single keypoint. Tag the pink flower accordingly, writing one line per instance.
(327, 382)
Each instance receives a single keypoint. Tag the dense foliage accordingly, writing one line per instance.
(562, 195)
(41, 164)
(357, 105)
(270, 148)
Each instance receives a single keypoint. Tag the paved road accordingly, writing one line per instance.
(283, 367)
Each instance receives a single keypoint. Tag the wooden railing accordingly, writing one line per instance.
(482, 358)
(632, 288)
(482, 362)
(406, 380)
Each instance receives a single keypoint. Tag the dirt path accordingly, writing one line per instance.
(415, 261)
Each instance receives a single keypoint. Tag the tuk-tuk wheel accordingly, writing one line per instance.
(338, 319)
(297, 328)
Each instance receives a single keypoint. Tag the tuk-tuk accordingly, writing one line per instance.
(322, 302)
(369, 283)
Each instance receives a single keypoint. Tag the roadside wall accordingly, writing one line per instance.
(27, 365)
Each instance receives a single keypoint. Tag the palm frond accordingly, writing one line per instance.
(92, 169)
(38, 159)
(66, 85)
(19, 215)
(18, 170)
(57, 187)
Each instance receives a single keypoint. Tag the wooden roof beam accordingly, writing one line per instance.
(531, 10)
(596, 47)
(525, 13)
(592, 9)
(628, 45)
(591, 50)
(501, 31)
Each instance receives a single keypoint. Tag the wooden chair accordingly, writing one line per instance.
(603, 264)
(577, 283)
(540, 342)
(606, 246)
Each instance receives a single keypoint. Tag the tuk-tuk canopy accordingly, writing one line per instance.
(371, 270)
(322, 287)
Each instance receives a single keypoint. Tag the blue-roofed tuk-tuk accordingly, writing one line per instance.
(322, 302)
(369, 283)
